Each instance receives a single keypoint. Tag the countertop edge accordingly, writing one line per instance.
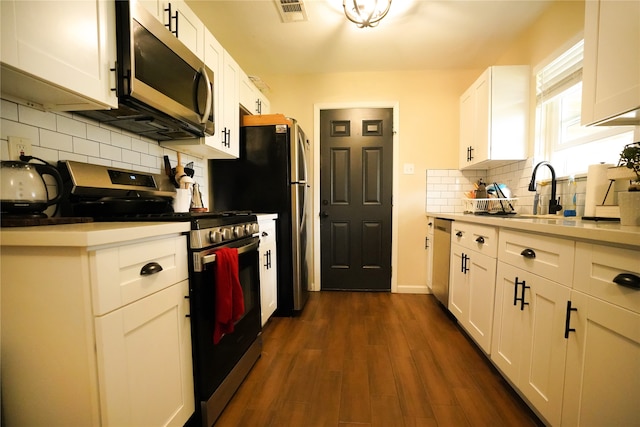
(88, 234)
(594, 231)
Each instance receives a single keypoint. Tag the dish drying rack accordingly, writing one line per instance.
(490, 206)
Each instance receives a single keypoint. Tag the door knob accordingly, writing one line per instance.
(324, 214)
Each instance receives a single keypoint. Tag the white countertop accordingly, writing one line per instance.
(87, 234)
(600, 231)
(266, 216)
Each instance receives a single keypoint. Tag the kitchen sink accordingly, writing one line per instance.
(546, 216)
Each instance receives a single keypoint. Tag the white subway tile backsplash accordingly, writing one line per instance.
(98, 134)
(515, 175)
(72, 127)
(10, 128)
(110, 152)
(41, 119)
(55, 140)
(121, 140)
(148, 161)
(139, 145)
(49, 154)
(8, 110)
(156, 150)
(67, 136)
(132, 157)
(86, 147)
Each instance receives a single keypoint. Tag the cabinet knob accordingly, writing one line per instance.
(627, 280)
(150, 268)
(459, 234)
(480, 239)
(528, 253)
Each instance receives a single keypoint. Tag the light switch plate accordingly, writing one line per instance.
(409, 169)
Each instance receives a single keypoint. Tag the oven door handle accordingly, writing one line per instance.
(203, 258)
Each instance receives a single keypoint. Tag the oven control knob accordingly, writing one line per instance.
(215, 236)
(251, 228)
(226, 233)
(238, 231)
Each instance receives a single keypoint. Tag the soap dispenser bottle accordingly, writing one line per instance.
(571, 197)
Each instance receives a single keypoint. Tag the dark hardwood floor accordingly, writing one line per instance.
(372, 359)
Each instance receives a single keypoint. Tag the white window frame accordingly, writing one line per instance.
(565, 72)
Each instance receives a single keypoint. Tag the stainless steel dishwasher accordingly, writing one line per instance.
(441, 256)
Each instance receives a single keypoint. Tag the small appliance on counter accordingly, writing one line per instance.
(24, 194)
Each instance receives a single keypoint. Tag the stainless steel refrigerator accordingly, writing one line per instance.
(271, 176)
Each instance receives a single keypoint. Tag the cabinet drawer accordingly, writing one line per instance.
(596, 267)
(479, 238)
(545, 256)
(116, 272)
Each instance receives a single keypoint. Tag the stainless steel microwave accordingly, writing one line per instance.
(165, 91)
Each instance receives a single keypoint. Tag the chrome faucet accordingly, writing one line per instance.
(554, 206)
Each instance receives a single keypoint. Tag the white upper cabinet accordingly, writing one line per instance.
(225, 93)
(611, 70)
(251, 98)
(178, 18)
(494, 118)
(228, 122)
(59, 55)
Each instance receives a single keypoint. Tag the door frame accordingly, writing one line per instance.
(316, 180)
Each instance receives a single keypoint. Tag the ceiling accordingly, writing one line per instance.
(415, 35)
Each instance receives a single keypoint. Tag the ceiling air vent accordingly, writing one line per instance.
(291, 10)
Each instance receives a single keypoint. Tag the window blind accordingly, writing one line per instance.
(559, 75)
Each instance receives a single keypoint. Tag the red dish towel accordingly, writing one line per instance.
(229, 304)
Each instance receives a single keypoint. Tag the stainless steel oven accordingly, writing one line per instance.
(221, 367)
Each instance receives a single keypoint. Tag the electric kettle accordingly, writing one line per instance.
(23, 190)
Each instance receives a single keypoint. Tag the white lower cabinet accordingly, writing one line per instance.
(472, 279)
(567, 328)
(97, 336)
(602, 379)
(268, 266)
(144, 361)
(471, 293)
(528, 342)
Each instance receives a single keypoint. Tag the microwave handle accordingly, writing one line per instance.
(207, 109)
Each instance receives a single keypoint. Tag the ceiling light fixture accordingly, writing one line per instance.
(366, 13)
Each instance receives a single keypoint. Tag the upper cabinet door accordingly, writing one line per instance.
(611, 72)
(494, 118)
(231, 104)
(178, 18)
(251, 98)
(186, 25)
(59, 54)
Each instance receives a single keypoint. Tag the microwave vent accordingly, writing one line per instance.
(291, 10)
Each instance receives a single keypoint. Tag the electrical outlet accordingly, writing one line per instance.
(19, 146)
